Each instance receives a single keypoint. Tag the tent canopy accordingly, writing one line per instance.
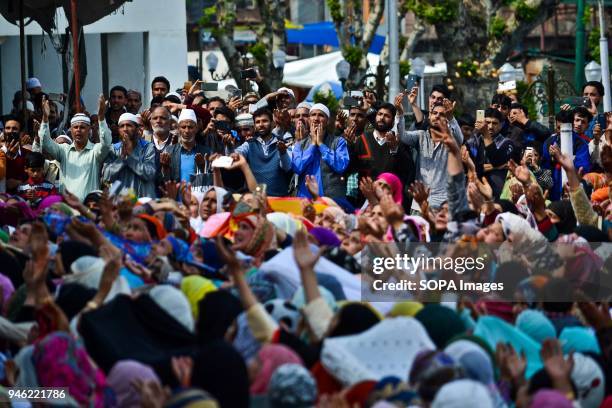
(324, 33)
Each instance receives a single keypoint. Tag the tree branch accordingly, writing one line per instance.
(413, 39)
(374, 19)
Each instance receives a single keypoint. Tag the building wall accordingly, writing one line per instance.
(144, 38)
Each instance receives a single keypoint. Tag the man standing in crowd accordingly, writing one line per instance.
(80, 161)
(160, 129)
(118, 99)
(499, 149)
(186, 158)
(132, 161)
(160, 86)
(322, 155)
(267, 156)
(134, 102)
(16, 155)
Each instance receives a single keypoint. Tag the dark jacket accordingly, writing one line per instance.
(175, 160)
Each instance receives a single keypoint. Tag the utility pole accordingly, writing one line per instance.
(393, 33)
(580, 44)
(603, 55)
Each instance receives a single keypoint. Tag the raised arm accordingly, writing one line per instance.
(46, 143)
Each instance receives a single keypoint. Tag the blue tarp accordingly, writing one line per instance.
(324, 33)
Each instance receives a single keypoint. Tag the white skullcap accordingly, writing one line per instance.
(127, 116)
(321, 107)
(33, 83)
(29, 106)
(66, 137)
(304, 104)
(245, 119)
(80, 117)
(187, 114)
(287, 90)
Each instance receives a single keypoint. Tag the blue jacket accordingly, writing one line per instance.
(582, 159)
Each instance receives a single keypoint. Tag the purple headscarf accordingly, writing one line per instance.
(121, 377)
(325, 237)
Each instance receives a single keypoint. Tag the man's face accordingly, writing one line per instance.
(300, 115)
(160, 120)
(37, 174)
(159, 89)
(467, 131)
(581, 123)
(263, 125)
(80, 133)
(284, 101)
(117, 100)
(384, 120)
(435, 114)
(435, 97)
(493, 125)
(12, 126)
(127, 130)
(53, 114)
(187, 131)
(592, 93)
(212, 106)
(358, 117)
(515, 113)
(134, 102)
(317, 117)
(503, 109)
(246, 132)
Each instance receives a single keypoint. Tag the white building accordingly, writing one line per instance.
(143, 39)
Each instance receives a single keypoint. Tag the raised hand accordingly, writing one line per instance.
(101, 107)
(413, 95)
(304, 257)
(366, 186)
(521, 173)
(392, 140)
(170, 189)
(419, 192)
(200, 161)
(312, 185)
(46, 110)
(449, 107)
(397, 102)
(341, 119)
(235, 103)
(393, 212)
(566, 162)
(182, 367)
(557, 367)
(350, 133)
(485, 188)
(512, 366)
(164, 159)
(152, 394)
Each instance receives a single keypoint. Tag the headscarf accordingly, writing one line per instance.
(73, 297)
(272, 356)
(195, 288)
(406, 309)
(325, 237)
(88, 270)
(174, 303)
(7, 290)
(217, 312)
(263, 235)
(564, 210)
(292, 386)
(121, 378)
(244, 342)
(548, 398)
(354, 318)
(428, 368)
(589, 380)
(198, 222)
(283, 222)
(579, 339)
(155, 227)
(70, 251)
(431, 316)
(191, 398)
(61, 361)
(536, 325)
(221, 370)
(463, 394)
(395, 184)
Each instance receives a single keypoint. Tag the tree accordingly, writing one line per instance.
(480, 33)
(354, 37)
(221, 19)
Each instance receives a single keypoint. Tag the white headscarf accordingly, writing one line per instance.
(198, 222)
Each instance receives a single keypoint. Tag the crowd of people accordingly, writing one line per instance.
(207, 251)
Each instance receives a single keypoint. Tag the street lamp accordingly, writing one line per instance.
(592, 71)
(507, 73)
(343, 69)
(278, 59)
(417, 67)
(213, 61)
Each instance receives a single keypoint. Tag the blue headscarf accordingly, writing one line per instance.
(579, 339)
(536, 325)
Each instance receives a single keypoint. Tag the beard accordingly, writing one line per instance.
(383, 127)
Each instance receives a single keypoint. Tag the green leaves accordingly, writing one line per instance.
(434, 11)
(328, 99)
(524, 12)
(352, 55)
(497, 27)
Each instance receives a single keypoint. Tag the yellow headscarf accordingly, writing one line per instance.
(195, 288)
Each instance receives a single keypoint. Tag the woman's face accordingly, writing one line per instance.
(137, 231)
(209, 205)
(379, 219)
(194, 207)
(352, 243)
(243, 235)
(441, 218)
(491, 234)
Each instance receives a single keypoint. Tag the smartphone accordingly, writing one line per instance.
(248, 73)
(233, 91)
(480, 115)
(580, 101)
(210, 86)
(55, 97)
(222, 125)
(601, 119)
(11, 137)
(356, 94)
(411, 82)
(350, 101)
